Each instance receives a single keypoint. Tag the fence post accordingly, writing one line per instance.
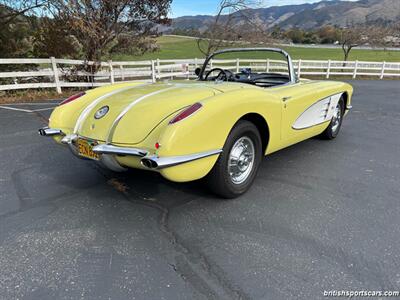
(195, 63)
(267, 70)
(383, 70)
(153, 71)
(237, 65)
(187, 70)
(158, 69)
(121, 68)
(299, 69)
(55, 71)
(328, 72)
(355, 70)
(111, 71)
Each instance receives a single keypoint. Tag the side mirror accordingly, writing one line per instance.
(197, 71)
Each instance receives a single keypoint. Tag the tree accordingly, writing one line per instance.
(296, 35)
(352, 37)
(12, 9)
(15, 34)
(328, 35)
(222, 31)
(52, 38)
(98, 24)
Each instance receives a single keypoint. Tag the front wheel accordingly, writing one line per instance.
(236, 167)
(336, 123)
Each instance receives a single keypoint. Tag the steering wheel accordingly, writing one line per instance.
(223, 75)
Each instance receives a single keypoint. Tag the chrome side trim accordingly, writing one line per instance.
(46, 131)
(89, 108)
(110, 149)
(156, 162)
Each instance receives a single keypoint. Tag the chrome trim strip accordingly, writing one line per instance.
(110, 149)
(46, 131)
(123, 113)
(88, 108)
(156, 162)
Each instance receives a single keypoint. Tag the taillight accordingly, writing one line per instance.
(186, 113)
(72, 98)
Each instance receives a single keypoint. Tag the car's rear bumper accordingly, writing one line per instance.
(156, 162)
(111, 149)
(109, 153)
(152, 161)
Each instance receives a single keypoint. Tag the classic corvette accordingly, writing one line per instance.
(217, 127)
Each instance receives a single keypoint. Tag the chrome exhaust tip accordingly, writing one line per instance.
(46, 131)
(149, 163)
(42, 132)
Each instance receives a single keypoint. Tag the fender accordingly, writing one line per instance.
(217, 116)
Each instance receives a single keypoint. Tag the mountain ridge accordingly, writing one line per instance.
(307, 16)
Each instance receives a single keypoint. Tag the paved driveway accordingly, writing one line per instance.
(322, 215)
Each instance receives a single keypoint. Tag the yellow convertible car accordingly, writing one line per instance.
(217, 127)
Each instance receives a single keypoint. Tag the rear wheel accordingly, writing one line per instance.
(336, 123)
(236, 167)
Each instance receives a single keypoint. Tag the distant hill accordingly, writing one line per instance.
(308, 16)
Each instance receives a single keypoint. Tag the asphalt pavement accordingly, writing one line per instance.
(321, 215)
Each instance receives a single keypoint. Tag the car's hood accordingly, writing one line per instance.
(134, 112)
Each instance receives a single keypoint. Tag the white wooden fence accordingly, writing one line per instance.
(59, 73)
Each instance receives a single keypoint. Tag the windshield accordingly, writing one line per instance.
(261, 67)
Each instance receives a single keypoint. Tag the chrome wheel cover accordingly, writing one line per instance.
(241, 160)
(337, 117)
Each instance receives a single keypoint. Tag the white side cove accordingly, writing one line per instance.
(317, 113)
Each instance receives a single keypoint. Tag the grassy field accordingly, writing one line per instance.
(176, 47)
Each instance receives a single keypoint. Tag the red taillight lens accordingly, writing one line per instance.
(72, 98)
(186, 113)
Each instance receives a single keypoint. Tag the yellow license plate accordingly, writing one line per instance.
(85, 149)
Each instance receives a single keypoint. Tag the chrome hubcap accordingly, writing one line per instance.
(337, 117)
(241, 160)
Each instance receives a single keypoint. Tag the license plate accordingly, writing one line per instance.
(85, 149)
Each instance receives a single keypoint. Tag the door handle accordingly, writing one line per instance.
(284, 99)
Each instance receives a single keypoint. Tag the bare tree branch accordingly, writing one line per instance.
(231, 25)
(12, 9)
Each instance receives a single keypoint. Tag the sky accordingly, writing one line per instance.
(209, 7)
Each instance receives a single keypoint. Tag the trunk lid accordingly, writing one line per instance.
(140, 109)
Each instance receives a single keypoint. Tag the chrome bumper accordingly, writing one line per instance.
(46, 131)
(110, 149)
(153, 162)
(156, 162)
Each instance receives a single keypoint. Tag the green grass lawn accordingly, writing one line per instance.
(177, 47)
